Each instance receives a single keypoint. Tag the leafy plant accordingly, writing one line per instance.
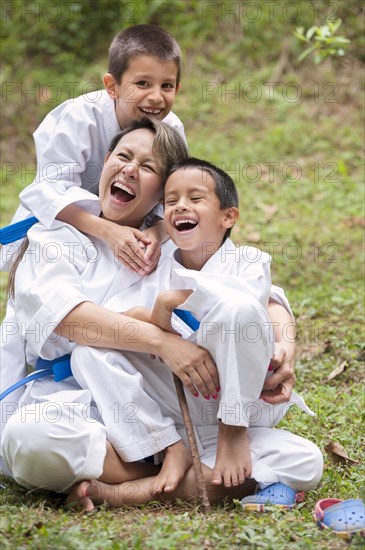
(322, 40)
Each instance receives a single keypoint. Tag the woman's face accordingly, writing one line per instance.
(130, 182)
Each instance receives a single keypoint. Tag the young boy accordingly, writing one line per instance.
(72, 141)
(227, 289)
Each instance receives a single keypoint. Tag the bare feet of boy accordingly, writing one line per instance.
(233, 462)
(175, 465)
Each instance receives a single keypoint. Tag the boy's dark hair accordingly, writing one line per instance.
(225, 188)
(148, 40)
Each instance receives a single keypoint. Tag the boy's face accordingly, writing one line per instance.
(147, 88)
(193, 217)
(130, 183)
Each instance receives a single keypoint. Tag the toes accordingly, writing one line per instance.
(216, 478)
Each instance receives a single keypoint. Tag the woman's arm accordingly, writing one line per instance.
(90, 324)
(278, 388)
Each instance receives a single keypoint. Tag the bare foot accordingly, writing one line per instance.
(176, 463)
(233, 462)
(78, 497)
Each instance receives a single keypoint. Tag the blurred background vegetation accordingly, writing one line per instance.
(289, 132)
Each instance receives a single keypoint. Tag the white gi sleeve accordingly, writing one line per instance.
(48, 282)
(65, 141)
(278, 295)
(251, 277)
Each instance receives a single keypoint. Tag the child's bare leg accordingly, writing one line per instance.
(176, 462)
(116, 470)
(233, 462)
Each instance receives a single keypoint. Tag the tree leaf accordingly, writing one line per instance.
(338, 455)
(338, 370)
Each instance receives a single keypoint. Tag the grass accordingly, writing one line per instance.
(307, 211)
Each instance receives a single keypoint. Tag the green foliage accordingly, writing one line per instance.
(322, 40)
(56, 34)
(306, 212)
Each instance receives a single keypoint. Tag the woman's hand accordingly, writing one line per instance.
(128, 245)
(192, 364)
(277, 389)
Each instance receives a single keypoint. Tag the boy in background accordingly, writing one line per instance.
(71, 143)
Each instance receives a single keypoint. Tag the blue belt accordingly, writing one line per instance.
(16, 231)
(60, 368)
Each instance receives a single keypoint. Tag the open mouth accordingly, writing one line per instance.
(122, 192)
(185, 224)
(150, 112)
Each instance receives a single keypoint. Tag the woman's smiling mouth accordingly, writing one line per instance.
(122, 192)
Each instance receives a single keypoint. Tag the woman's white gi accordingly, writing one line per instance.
(136, 399)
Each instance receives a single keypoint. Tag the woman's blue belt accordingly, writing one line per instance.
(60, 367)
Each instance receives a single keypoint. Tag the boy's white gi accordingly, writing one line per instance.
(71, 144)
(68, 437)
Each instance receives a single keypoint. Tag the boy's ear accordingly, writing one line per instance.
(230, 217)
(111, 86)
(178, 88)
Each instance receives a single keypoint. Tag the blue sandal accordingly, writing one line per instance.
(277, 494)
(344, 517)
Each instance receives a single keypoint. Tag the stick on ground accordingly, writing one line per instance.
(202, 490)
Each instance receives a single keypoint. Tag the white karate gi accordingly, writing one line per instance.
(68, 438)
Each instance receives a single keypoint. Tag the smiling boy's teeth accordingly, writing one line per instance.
(184, 221)
(151, 111)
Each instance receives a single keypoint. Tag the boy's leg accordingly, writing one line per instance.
(238, 335)
(280, 456)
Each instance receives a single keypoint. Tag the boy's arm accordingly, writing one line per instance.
(127, 243)
(70, 146)
(164, 305)
(157, 235)
(278, 388)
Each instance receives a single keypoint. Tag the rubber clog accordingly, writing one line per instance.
(344, 517)
(277, 494)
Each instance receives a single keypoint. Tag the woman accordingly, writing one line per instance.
(60, 290)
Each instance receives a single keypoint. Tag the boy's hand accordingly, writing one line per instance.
(278, 388)
(152, 251)
(192, 364)
(128, 245)
(164, 305)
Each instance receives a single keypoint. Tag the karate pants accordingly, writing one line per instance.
(53, 445)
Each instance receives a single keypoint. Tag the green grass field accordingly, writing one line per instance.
(295, 152)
